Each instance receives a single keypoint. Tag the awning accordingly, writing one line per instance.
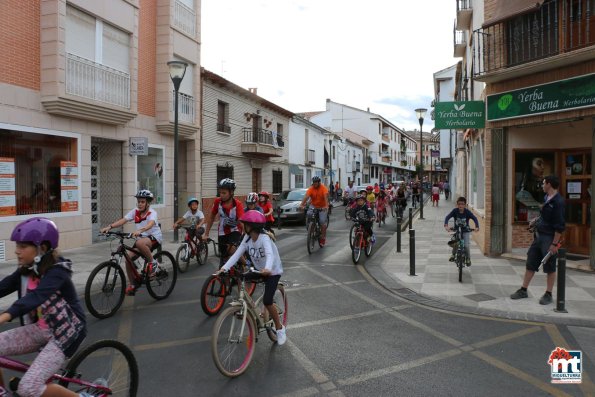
(295, 169)
(506, 9)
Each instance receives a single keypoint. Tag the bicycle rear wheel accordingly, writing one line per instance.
(162, 283)
(356, 251)
(280, 303)
(202, 253)
(232, 346)
(107, 363)
(104, 290)
(212, 295)
(183, 255)
(311, 237)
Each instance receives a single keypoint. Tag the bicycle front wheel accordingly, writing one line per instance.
(202, 253)
(347, 213)
(161, 284)
(232, 342)
(356, 251)
(183, 257)
(460, 264)
(104, 291)
(351, 233)
(311, 237)
(109, 364)
(212, 295)
(280, 303)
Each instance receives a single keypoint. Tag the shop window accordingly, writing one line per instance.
(38, 173)
(299, 180)
(150, 174)
(529, 170)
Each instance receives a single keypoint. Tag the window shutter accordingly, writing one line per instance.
(116, 48)
(80, 33)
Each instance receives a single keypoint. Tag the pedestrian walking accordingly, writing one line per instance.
(446, 190)
(435, 195)
(547, 232)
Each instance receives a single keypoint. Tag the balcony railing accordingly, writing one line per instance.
(186, 107)
(459, 42)
(260, 135)
(98, 82)
(559, 26)
(463, 5)
(464, 14)
(184, 18)
(223, 128)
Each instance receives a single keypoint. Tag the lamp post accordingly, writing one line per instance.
(420, 113)
(177, 70)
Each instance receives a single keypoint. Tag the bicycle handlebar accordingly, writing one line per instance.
(120, 235)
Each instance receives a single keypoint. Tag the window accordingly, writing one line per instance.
(333, 152)
(36, 173)
(223, 172)
(529, 170)
(149, 173)
(277, 181)
(299, 180)
(223, 117)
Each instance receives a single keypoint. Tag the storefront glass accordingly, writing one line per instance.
(529, 170)
(150, 173)
(39, 173)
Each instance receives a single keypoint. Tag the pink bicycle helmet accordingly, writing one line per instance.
(254, 217)
(36, 230)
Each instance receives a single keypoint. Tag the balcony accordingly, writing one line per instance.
(459, 41)
(262, 143)
(355, 166)
(534, 42)
(464, 14)
(221, 127)
(93, 92)
(184, 18)
(186, 107)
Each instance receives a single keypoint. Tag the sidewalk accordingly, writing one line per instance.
(487, 284)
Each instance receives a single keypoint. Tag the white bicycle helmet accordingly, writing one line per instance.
(144, 193)
(252, 198)
(227, 183)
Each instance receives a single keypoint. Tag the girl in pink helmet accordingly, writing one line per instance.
(264, 257)
(51, 314)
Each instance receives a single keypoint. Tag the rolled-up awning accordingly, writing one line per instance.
(506, 9)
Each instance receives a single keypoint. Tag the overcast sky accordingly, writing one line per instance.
(377, 54)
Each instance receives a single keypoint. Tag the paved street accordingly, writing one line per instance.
(348, 335)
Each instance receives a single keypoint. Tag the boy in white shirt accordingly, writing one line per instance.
(196, 216)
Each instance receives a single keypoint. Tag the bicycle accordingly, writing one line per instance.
(192, 247)
(348, 205)
(458, 242)
(381, 216)
(314, 229)
(218, 287)
(110, 363)
(105, 287)
(360, 242)
(237, 327)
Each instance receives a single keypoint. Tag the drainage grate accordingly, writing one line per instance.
(2, 251)
(480, 297)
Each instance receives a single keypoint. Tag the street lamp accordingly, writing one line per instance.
(177, 70)
(420, 113)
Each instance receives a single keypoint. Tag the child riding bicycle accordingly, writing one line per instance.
(148, 233)
(252, 203)
(196, 217)
(365, 215)
(464, 215)
(52, 317)
(381, 203)
(265, 258)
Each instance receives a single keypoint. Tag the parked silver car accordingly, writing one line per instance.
(287, 205)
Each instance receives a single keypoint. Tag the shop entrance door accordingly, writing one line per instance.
(576, 189)
(106, 184)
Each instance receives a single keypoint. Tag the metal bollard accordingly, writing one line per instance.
(412, 252)
(398, 234)
(410, 218)
(561, 291)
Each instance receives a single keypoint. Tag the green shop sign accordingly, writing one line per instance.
(459, 115)
(575, 93)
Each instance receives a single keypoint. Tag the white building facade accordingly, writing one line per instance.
(306, 152)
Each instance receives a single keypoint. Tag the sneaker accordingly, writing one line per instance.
(546, 299)
(322, 242)
(281, 336)
(131, 290)
(519, 294)
(373, 239)
(452, 258)
(467, 261)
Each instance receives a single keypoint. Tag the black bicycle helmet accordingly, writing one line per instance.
(315, 179)
(144, 193)
(227, 183)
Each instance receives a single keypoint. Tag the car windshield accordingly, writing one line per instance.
(295, 195)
